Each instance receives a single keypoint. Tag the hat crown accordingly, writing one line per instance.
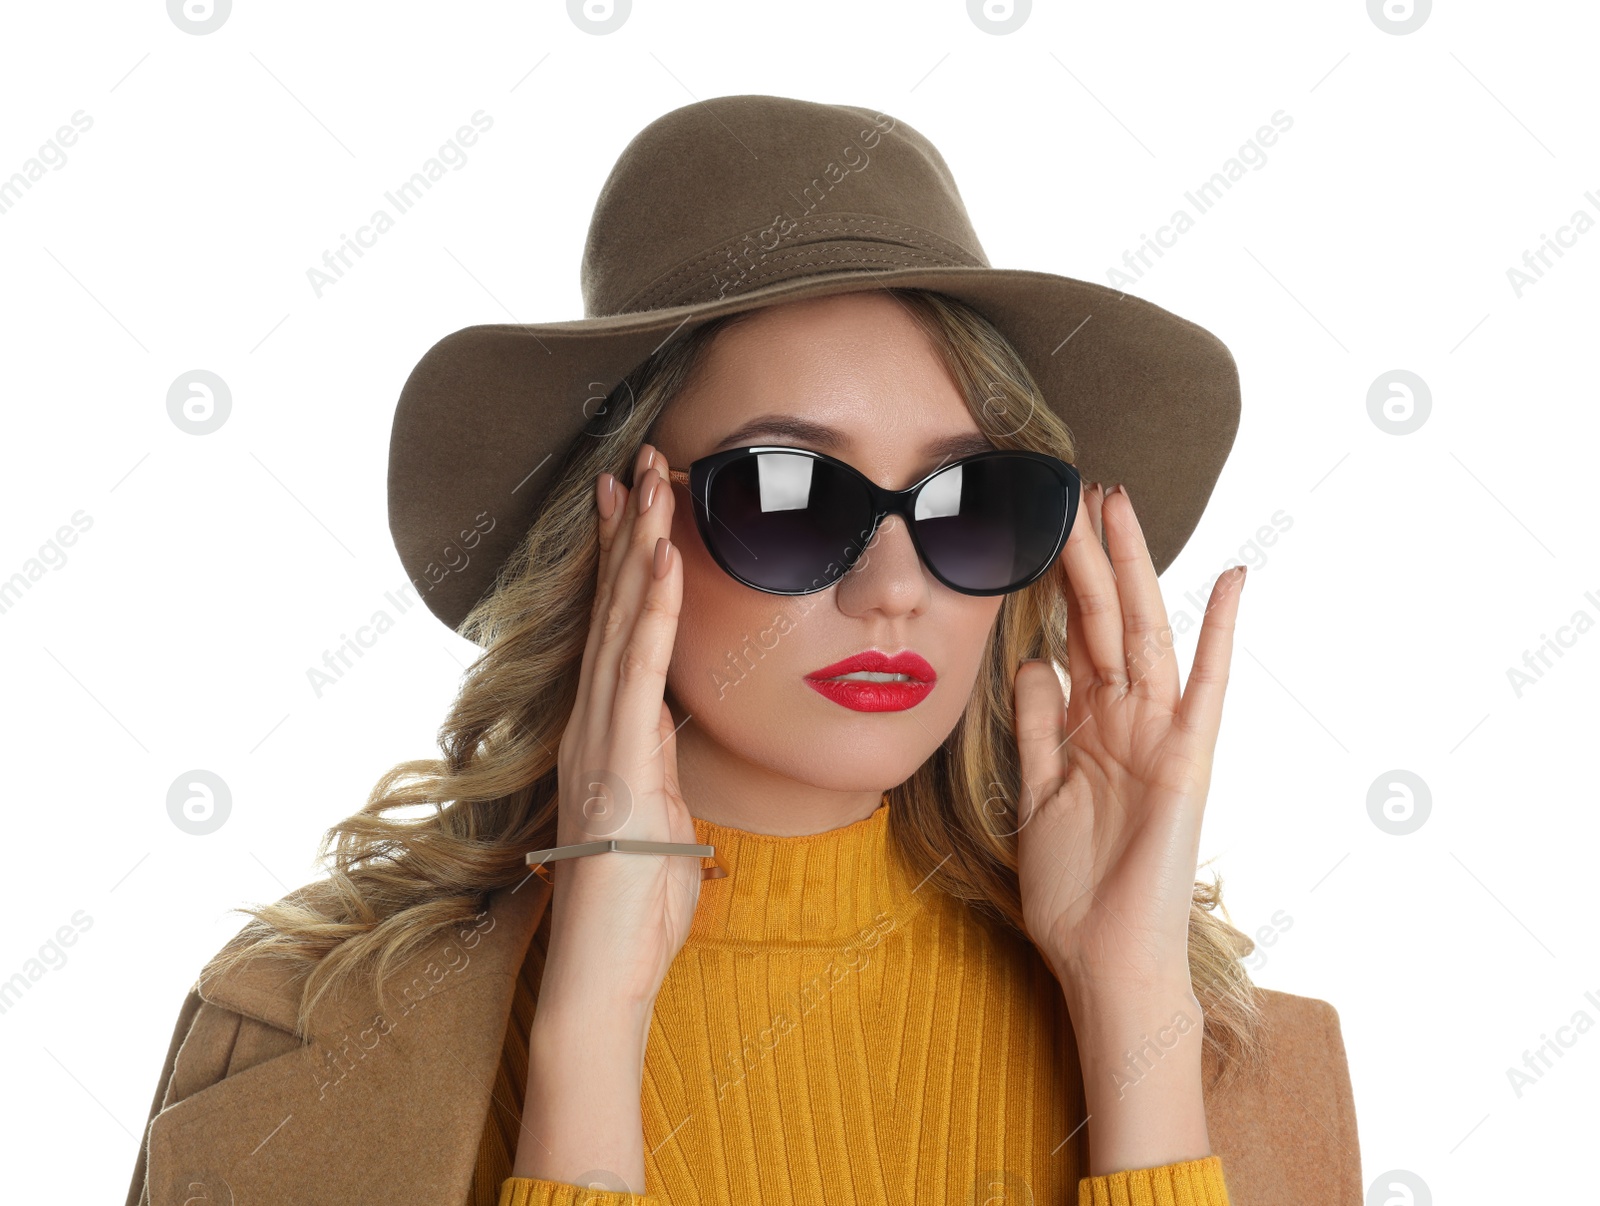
(737, 192)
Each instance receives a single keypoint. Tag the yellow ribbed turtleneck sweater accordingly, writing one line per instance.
(832, 1032)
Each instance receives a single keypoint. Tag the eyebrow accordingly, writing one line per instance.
(832, 440)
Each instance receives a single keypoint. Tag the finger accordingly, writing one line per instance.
(1094, 586)
(1080, 666)
(1041, 721)
(609, 494)
(604, 574)
(611, 524)
(649, 518)
(1080, 670)
(1201, 710)
(606, 617)
(1094, 500)
(1146, 633)
(642, 667)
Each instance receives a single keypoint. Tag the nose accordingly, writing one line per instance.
(888, 578)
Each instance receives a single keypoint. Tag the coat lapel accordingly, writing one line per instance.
(385, 1103)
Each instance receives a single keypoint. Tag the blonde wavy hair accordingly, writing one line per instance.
(398, 881)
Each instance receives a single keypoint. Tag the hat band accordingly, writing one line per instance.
(788, 248)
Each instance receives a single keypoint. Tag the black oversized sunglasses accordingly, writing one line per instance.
(790, 521)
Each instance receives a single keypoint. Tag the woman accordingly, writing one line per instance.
(949, 946)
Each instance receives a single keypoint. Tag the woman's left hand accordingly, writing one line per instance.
(1115, 778)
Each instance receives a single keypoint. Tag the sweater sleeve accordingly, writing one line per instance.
(1187, 1183)
(535, 1191)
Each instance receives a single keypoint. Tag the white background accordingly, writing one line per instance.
(1376, 634)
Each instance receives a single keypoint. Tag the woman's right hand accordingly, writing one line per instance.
(616, 920)
(619, 919)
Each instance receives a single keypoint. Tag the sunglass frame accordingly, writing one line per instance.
(702, 473)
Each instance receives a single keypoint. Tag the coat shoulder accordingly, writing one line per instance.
(228, 1024)
(1286, 1127)
(338, 1107)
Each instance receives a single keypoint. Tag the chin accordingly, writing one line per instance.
(822, 743)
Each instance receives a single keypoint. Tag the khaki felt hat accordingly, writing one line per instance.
(741, 202)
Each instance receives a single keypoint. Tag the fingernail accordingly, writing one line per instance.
(663, 557)
(650, 494)
(1118, 489)
(606, 496)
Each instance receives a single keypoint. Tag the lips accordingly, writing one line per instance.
(864, 695)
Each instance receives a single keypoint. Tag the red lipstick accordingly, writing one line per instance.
(870, 695)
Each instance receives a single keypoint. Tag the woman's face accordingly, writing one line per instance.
(853, 376)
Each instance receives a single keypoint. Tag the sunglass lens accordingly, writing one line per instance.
(785, 522)
(991, 524)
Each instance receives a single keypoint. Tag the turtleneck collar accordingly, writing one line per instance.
(815, 889)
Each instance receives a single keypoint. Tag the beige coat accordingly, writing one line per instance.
(386, 1106)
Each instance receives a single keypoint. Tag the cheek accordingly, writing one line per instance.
(971, 622)
(706, 600)
(718, 620)
(684, 532)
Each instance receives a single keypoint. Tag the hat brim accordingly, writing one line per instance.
(483, 420)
